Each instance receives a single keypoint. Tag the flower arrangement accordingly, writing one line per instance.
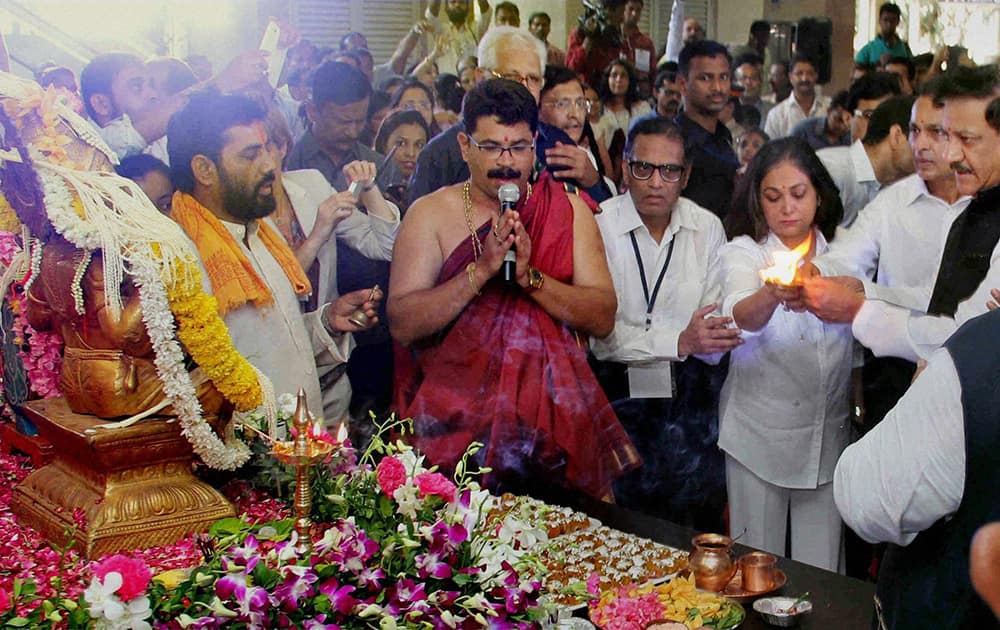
(401, 546)
(40, 351)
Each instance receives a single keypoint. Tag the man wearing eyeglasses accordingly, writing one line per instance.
(662, 252)
(504, 53)
(865, 95)
(563, 108)
(500, 361)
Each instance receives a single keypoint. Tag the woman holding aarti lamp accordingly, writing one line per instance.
(784, 407)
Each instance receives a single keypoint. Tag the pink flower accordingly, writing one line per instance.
(135, 575)
(4, 600)
(436, 484)
(391, 474)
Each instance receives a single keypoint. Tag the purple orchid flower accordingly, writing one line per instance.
(298, 584)
(431, 564)
(233, 583)
(371, 578)
(246, 553)
(253, 602)
(339, 596)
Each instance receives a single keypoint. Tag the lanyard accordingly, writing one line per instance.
(651, 299)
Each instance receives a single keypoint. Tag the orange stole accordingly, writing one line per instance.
(234, 280)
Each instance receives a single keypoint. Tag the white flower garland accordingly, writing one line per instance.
(169, 361)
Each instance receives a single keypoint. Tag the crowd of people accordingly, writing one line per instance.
(559, 254)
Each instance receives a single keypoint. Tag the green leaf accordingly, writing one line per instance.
(228, 527)
(18, 622)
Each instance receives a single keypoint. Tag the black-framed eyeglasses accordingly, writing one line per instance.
(496, 151)
(564, 104)
(527, 80)
(642, 171)
(866, 113)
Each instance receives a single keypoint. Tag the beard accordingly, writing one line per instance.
(241, 202)
(456, 16)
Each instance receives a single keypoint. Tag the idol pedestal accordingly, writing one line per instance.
(134, 485)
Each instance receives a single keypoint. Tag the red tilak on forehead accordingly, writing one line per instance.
(506, 139)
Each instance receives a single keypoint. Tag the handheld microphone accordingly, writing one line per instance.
(509, 194)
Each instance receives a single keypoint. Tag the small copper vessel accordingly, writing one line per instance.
(712, 561)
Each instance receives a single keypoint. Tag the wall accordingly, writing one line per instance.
(733, 19)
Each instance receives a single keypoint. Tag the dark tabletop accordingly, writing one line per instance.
(839, 602)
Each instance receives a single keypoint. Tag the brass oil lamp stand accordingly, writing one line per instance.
(303, 452)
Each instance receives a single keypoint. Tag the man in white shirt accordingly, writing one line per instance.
(881, 158)
(224, 174)
(970, 262)
(925, 480)
(662, 252)
(801, 104)
(901, 233)
(123, 102)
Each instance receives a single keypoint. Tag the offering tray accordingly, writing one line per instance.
(734, 589)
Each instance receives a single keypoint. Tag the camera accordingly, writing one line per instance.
(594, 23)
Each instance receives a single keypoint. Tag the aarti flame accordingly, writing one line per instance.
(341, 433)
(786, 264)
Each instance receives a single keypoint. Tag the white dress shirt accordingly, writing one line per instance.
(691, 282)
(854, 176)
(901, 234)
(279, 340)
(894, 331)
(909, 471)
(785, 115)
(784, 406)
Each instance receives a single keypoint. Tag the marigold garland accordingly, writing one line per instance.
(206, 338)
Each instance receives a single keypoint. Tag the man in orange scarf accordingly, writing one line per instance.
(224, 169)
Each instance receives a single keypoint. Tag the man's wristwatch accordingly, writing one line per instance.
(535, 279)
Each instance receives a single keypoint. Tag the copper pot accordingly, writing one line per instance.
(712, 561)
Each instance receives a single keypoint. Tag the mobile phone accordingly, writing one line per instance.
(355, 189)
(275, 57)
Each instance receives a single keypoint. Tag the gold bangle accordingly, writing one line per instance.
(471, 270)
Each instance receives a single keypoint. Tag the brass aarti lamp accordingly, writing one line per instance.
(303, 452)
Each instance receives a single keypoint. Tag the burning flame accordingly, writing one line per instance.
(786, 264)
(341, 433)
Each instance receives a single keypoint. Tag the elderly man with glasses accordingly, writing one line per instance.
(662, 252)
(504, 53)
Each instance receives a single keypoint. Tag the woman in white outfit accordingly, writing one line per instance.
(783, 410)
(619, 91)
